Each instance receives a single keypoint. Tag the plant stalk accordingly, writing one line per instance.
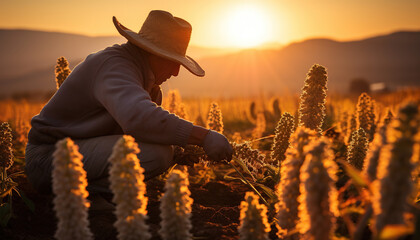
(252, 186)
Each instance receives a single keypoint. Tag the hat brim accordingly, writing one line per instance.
(145, 44)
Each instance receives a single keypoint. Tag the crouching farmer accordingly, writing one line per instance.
(117, 91)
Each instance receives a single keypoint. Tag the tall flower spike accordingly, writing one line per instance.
(373, 155)
(69, 187)
(175, 104)
(358, 148)
(352, 124)
(282, 138)
(126, 178)
(302, 137)
(182, 111)
(366, 115)
(394, 184)
(312, 99)
(318, 200)
(62, 71)
(215, 120)
(288, 189)
(253, 219)
(174, 99)
(175, 208)
(6, 151)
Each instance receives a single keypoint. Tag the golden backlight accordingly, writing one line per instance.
(247, 26)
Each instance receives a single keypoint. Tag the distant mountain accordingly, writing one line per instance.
(28, 57)
(393, 59)
(24, 51)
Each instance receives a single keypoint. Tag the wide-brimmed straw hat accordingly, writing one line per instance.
(163, 35)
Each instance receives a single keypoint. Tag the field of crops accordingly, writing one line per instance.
(315, 165)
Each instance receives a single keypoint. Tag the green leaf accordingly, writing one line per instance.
(350, 210)
(229, 178)
(270, 192)
(28, 202)
(248, 183)
(355, 175)
(5, 214)
(395, 231)
(244, 167)
(16, 174)
(272, 169)
(6, 192)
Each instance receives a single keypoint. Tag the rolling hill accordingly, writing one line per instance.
(28, 58)
(392, 59)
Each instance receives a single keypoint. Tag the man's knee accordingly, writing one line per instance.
(155, 159)
(38, 167)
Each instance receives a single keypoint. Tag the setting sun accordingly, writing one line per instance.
(247, 26)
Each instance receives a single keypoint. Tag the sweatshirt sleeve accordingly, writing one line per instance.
(118, 89)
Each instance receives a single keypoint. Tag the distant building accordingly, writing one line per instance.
(379, 87)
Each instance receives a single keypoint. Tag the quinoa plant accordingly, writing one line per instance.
(199, 121)
(236, 137)
(366, 115)
(62, 71)
(175, 104)
(312, 99)
(318, 206)
(253, 219)
(174, 99)
(215, 119)
(69, 187)
(358, 148)
(394, 184)
(175, 208)
(6, 183)
(6, 151)
(352, 124)
(127, 184)
(182, 111)
(373, 155)
(252, 158)
(282, 138)
(288, 190)
(189, 155)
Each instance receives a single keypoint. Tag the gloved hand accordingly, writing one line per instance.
(217, 147)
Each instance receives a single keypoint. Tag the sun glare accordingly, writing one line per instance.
(247, 26)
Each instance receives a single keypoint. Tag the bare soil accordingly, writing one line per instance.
(215, 212)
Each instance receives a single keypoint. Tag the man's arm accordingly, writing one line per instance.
(197, 135)
(119, 91)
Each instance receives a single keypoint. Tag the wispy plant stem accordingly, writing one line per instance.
(262, 138)
(247, 182)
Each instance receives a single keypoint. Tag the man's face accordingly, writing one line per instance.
(163, 68)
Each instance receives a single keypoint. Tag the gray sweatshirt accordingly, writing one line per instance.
(106, 95)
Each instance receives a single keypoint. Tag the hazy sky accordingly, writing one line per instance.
(222, 23)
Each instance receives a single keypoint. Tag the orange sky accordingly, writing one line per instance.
(217, 23)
